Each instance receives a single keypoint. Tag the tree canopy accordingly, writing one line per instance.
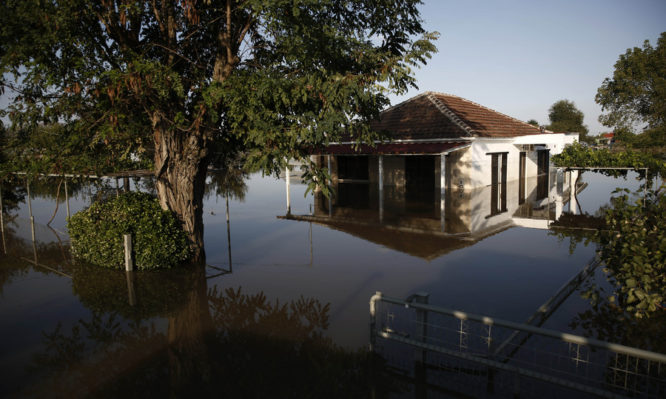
(184, 81)
(565, 117)
(636, 94)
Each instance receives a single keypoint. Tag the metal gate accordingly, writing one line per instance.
(485, 356)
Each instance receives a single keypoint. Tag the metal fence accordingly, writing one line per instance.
(483, 356)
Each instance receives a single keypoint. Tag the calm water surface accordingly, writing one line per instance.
(286, 307)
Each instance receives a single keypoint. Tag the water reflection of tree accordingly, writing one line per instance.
(630, 308)
(12, 193)
(228, 182)
(21, 253)
(217, 341)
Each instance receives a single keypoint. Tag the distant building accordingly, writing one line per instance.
(606, 139)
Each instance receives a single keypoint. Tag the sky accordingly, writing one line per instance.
(520, 56)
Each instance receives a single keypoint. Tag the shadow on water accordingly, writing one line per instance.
(180, 337)
(215, 341)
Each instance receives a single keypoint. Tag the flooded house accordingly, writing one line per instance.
(451, 169)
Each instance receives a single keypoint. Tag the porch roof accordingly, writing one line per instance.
(403, 148)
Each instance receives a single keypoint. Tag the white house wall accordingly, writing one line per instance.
(481, 161)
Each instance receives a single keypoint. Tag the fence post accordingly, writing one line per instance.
(420, 373)
(373, 318)
(129, 261)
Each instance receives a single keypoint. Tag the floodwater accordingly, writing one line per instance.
(282, 309)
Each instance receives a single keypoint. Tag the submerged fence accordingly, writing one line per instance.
(478, 355)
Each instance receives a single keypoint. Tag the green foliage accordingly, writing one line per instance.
(633, 249)
(577, 155)
(97, 233)
(533, 122)
(651, 140)
(565, 117)
(273, 78)
(637, 91)
(631, 238)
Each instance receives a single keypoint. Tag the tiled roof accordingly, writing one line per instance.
(443, 116)
(397, 148)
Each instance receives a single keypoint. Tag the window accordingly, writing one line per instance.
(498, 182)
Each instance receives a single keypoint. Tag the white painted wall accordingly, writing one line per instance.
(481, 160)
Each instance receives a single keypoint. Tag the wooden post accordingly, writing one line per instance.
(32, 218)
(226, 198)
(381, 188)
(442, 191)
(287, 183)
(67, 199)
(330, 201)
(129, 261)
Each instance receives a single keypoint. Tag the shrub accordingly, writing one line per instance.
(97, 233)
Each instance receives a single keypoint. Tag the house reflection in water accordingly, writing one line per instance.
(454, 172)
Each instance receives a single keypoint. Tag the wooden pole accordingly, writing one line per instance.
(287, 184)
(381, 187)
(228, 233)
(67, 199)
(129, 261)
(32, 218)
(330, 201)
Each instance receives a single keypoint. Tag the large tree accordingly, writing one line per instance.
(634, 99)
(187, 80)
(636, 94)
(565, 117)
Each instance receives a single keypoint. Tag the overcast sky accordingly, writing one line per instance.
(520, 56)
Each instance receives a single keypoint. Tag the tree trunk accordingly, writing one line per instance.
(189, 336)
(181, 162)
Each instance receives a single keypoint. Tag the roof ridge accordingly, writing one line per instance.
(484, 107)
(400, 104)
(446, 111)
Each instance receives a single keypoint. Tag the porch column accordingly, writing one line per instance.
(381, 188)
(330, 201)
(287, 184)
(573, 203)
(442, 189)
